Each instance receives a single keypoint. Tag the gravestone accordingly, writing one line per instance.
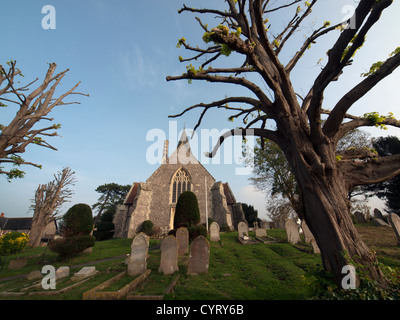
(308, 236)
(261, 232)
(84, 273)
(214, 232)
(62, 272)
(243, 229)
(292, 231)
(18, 263)
(169, 255)
(381, 223)
(395, 222)
(315, 246)
(199, 256)
(138, 258)
(378, 215)
(265, 225)
(359, 217)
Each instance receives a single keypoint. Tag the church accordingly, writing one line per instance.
(156, 199)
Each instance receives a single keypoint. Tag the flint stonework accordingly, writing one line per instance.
(199, 256)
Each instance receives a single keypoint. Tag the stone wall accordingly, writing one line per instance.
(221, 213)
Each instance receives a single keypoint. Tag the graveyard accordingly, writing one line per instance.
(229, 268)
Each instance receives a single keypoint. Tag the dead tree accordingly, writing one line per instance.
(48, 199)
(309, 144)
(33, 107)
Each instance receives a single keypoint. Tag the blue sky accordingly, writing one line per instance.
(122, 52)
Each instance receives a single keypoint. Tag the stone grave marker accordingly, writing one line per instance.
(315, 246)
(182, 236)
(381, 223)
(199, 256)
(308, 236)
(378, 215)
(214, 232)
(84, 273)
(243, 229)
(265, 225)
(138, 258)
(292, 231)
(261, 232)
(62, 272)
(169, 255)
(18, 263)
(395, 222)
(360, 217)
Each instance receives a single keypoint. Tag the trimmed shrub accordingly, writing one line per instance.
(195, 231)
(77, 221)
(13, 242)
(147, 227)
(105, 227)
(187, 211)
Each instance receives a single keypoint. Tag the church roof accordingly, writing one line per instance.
(132, 194)
(16, 223)
(184, 140)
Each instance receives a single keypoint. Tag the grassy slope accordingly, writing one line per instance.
(252, 272)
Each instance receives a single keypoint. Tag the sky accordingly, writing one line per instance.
(122, 51)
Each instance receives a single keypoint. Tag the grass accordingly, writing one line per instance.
(273, 271)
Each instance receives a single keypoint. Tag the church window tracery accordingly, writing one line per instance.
(180, 183)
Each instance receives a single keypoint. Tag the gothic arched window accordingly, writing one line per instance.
(180, 183)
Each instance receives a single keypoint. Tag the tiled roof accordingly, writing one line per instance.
(15, 223)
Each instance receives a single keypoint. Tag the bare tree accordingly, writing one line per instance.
(324, 178)
(48, 199)
(33, 107)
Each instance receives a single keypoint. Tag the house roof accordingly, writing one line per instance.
(16, 223)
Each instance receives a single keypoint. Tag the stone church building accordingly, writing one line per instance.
(156, 199)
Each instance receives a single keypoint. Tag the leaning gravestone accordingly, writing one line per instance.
(395, 222)
(359, 217)
(308, 236)
(182, 236)
(243, 229)
(169, 255)
(378, 215)
(292, 231)
(199, 256)
(138, 259)
(214, 232)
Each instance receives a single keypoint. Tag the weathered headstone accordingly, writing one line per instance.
(308, 236)
(315, 246)
(381, 223)
(199, 256)
(214, 232)
(62, 272)
(138, 258)
(182, 236)
(35, 274)
(292, 231)
(378, 215)
(395, 222)
(17, 263)
(265, 225)
(243, 229)
(261, 232)
(359, 217)
(169, 255)
(84, 273)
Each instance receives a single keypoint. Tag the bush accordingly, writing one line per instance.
(105, 227)
(187, 211)
(76, 226)
(195, 231)
(147, 227)
(77, 220)
(13, 242)
(71, 246)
